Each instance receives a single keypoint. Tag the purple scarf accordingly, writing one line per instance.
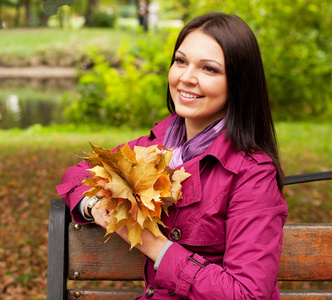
(185, 150)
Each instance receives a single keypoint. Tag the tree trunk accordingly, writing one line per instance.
(45, 20)
(17, 14)
(92, 4)
(27, 11)
(60, 16)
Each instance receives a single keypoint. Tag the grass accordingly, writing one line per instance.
(67, 138)
(30, 41)
(305, 147)
(30, 46)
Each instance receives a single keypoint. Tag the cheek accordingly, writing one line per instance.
(172, 77)
(216, 89)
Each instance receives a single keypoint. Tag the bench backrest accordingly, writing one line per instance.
(79, 253)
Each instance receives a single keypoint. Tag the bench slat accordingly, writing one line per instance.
(306, 295)
(117, 294)
(95, 294)
(304, 249)
(94, 259)
(129, 294)
(306, 253)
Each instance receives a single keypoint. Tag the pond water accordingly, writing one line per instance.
(25, 102)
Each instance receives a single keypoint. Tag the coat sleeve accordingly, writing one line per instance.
(71, 189)
(255, 217)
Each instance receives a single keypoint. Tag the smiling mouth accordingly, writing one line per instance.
(190, 96)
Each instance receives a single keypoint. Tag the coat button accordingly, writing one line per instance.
(175, 234)
(149, 292)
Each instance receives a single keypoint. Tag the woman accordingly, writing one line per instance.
(223, 239)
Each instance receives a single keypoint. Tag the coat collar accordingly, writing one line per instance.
(220, 149)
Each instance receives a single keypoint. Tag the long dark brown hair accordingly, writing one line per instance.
(249, 122)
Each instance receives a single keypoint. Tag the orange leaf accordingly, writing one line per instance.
(137, 185)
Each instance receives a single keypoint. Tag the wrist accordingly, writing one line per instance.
(81, 208)
(161, 254)
(90, 204)
(152, 245)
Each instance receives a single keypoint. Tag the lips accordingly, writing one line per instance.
(187, 96)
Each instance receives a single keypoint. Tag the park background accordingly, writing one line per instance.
(90, 73)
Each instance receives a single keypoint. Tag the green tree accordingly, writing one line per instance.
(177, 8)
(23, 12)
(296, 44)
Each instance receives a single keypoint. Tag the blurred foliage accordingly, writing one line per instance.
(29, 13)
(35, 13)
(51, 6)
(127, 11)
(102, 19)
(135, 94)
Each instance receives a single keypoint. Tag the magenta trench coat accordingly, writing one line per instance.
(226, 231)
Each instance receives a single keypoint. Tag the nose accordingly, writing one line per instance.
(189, 76)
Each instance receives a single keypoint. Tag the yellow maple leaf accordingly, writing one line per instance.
(178, 177)
(137, 186)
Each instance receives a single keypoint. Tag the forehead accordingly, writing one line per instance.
(198, 44)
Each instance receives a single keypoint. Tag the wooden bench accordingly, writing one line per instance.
(78, 253)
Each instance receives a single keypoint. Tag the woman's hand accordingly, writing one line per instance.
(151, 244)
(99, 215)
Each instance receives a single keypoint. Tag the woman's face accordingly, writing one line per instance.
(197, 80)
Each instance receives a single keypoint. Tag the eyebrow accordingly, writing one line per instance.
(206, 59)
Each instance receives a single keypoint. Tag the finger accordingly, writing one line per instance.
(101, 222)
(100, 216)
(103, 217)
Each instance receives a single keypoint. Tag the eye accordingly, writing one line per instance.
(179, 61)
(210, 69)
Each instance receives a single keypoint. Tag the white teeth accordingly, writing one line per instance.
(188, 95)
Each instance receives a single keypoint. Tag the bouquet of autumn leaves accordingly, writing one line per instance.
(136, 185)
